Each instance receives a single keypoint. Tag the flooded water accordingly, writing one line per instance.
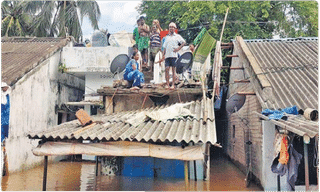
(80, 176)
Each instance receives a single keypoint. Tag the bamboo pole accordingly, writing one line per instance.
(224, 23)
(206, 165)
(186, 175)
(306, 165)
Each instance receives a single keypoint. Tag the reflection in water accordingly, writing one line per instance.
(76, 176)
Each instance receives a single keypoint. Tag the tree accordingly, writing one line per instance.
(15, 22)
(56, 18)
(250, 19)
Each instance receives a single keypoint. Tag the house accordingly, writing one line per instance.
(39, 92)
(138, 146)
(273, 74)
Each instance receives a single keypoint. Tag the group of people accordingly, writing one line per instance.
(166, 41)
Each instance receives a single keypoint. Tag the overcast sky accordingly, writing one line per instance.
(115, 16)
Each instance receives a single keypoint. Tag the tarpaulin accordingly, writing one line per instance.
(280, 114)
(121, 148)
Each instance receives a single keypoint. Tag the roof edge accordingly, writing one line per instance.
(62, 43)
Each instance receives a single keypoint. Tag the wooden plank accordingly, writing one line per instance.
(254, 64)
(226, 47)
(227, 44)
(232, 56)
(235, 68)
(242, 81)
(246, 93)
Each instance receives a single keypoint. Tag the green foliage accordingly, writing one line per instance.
(62, 68)
(249, 19)
(47, 18)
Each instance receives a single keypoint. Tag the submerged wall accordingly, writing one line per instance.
(33, 108)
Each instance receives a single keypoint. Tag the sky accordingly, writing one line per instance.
(115, 16)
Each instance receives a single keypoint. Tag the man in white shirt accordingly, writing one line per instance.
(170, 52)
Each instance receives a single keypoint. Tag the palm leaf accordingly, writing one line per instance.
(42, 21)
(19, 27)
(6, 18)
(72, 21)
(9, 25)
(91, 10)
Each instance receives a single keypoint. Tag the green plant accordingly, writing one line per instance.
(62, 68)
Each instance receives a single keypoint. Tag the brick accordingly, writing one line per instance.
(83, 117)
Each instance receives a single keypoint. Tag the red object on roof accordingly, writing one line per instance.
(164, 33)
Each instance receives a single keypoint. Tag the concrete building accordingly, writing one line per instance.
(273, 74)
(39, 92)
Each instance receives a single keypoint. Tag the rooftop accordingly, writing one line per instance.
(291, 67)
(19, 55)
(115, 127)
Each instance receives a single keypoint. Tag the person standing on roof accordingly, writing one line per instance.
(173, 43)
(136, 32)
(143, 43)
(155, 44)
(157, 24)
(132, 74)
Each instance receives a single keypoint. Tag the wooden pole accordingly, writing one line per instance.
(186, 175)
(206, 170)
(44, 184)
(97, 162)
(306, 166)
(224, 23)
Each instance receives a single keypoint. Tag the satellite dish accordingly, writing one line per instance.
(184, 62)
(119, 63)
(235, 102)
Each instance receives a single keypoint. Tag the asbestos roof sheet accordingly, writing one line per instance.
(19, 55)
(296, 124)
(291, 67)
(114, 127)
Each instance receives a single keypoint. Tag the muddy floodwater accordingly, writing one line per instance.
(80, 176)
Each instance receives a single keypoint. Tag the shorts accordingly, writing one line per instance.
(170, 62)
(153, 52)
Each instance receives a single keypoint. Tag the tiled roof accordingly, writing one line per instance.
(19, 55)
(291, 67)
(113, 128)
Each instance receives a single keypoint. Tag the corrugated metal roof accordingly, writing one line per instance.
(291, 66)
(19, 55)
(296, 124)
(113, 127)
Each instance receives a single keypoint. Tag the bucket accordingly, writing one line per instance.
(311, 114)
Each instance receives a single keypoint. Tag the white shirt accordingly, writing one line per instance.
(171, 43)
